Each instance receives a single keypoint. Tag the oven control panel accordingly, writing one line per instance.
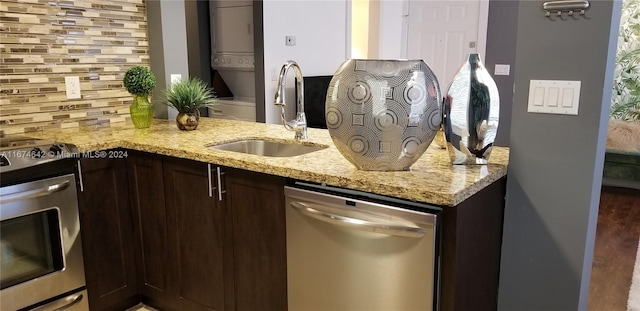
(18, 157)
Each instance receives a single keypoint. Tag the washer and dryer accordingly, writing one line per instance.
(232, 35)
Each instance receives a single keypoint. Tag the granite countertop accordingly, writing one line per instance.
(432, 179)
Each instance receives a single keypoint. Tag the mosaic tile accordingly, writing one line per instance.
(41, 42)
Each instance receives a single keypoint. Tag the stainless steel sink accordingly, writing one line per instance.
(268, 148)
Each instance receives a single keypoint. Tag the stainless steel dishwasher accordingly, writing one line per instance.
(348, 250)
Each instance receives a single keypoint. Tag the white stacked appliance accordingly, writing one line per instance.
(233, 58)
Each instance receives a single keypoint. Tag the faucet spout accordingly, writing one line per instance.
(280, 101)
(299, 124)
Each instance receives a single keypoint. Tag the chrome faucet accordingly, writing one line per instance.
(299, 125)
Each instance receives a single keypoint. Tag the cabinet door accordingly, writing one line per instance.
(151, 234)
(195, 227)
(254, 206)
(105, 218)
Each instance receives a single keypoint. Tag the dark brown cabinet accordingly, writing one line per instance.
(254, 211)
(195, 227)
(202, 246)
(471, 245)
(105, 218)
(182, 235)
(150, 227)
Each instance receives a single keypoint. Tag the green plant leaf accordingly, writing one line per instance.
(139, 80)
(188, 95)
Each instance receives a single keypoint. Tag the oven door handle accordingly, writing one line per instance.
(62, 304)
(30, 194)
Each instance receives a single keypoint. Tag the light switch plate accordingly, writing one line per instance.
(502, 70)
(554, 96)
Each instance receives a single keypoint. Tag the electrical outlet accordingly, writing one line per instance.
(175, 77)
(72, 86)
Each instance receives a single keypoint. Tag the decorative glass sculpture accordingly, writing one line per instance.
(470, 113)
(383, 114)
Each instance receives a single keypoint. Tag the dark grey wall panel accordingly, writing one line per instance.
(501, 49)
(555, 165)
(156, 52)
(258, 47)
(198, 39)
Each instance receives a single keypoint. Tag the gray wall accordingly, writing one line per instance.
(555, 165)
(258, 47)
(198, 42)
(167, 48)
(179, 43)
(198, 39)
(501, 49)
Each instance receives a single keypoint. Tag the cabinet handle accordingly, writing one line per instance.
(210, 181)
(220, 191)
(80, 177)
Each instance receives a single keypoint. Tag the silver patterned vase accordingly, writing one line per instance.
(383, 114)
(470, 113)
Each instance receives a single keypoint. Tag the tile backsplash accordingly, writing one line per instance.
(43, 41)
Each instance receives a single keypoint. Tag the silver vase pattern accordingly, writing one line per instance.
(383, 114)
(471, 111)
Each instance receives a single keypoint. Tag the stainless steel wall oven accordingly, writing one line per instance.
(41, 265)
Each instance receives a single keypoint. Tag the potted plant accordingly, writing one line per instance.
(187, 96)
(139, 82)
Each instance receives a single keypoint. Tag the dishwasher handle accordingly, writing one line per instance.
(315, 211)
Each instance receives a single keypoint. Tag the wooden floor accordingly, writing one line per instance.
(615, 249)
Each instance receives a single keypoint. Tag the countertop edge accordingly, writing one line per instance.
(432, 179)
(441, 199)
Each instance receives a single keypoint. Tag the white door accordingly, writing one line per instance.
(443, 33)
